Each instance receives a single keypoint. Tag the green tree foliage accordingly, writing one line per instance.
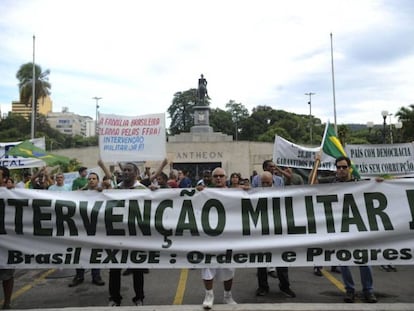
(258, 122)
(221, 121)
(25, 77)
(238, 114)
(181, 111)
(265, 122)
(406, 116)
(14, 128)
(343, 133)
(41, 82)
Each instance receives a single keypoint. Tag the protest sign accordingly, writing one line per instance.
(137, 138)
(286, 153)
(370, 160)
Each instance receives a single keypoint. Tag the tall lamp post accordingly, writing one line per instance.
(384, 114)
(310, 114)
(97, 112)
(391, 138)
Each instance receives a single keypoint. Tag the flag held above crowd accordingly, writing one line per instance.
(27, 149)
(332, 146)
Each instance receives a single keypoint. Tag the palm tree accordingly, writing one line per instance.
(406, 116)
(42, 85)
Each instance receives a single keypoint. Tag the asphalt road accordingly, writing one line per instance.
(41, 289)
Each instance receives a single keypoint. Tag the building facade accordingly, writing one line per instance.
(44, 107)
(69, 123)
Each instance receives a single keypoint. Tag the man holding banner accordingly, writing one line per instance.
(267, 180)
(225, 274)
(343, 174)
(130, 173)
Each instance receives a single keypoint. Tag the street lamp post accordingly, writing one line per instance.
(310, 114)
(391, 138)
(97, 112)
(384, 114)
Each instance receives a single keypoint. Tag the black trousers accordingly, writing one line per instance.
(282, 274)
(115, 284)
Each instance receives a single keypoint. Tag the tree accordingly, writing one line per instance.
(221, 121)
(406, 116)
(265, 122)
(181, 111)
(343, 134)
(258, 123)
(42, 85)
(238, 113)
(14, 128)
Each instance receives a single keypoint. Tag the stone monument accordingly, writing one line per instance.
(201, 131)
(201, 109)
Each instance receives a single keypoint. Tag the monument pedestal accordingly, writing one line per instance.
(201, 120)
(201, 131)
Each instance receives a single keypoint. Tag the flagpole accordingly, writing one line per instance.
(33, 92)
(314, 172)
(333, 87)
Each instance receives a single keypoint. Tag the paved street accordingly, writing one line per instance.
(49, 288)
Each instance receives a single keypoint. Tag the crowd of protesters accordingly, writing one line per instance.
(128, 176)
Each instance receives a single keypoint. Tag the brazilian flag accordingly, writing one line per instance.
(332, 146)
(27, 149)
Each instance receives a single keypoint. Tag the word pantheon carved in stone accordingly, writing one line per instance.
(196, 155)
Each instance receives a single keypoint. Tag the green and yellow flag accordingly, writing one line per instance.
(332, 146)
(27, 149)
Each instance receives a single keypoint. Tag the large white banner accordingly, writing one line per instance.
(13, 162)
(286, 153)
(371, 160)
(137, 138)
(352, 223)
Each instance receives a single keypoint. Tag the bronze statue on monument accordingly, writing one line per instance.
(201, 109)
(202, 91)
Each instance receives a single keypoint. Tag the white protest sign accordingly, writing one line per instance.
(395, 159)
(371, 160)
(286, 153)
(137, 138)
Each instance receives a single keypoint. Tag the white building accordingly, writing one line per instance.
(71, 124)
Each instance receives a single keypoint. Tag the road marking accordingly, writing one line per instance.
(27, 287)
(336, 282)
(179, 294)
(333, 280)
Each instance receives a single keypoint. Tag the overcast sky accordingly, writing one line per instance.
(137, 54)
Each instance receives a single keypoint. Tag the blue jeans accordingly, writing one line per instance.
(366, 279)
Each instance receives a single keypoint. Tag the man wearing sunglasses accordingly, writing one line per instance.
(343, 174)
(225, 274)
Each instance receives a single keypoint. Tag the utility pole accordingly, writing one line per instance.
(310, 115)
(97, 112)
